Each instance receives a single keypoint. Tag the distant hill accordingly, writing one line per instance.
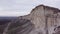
(8, 18)
(4, 20)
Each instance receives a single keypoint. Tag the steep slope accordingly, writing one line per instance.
(17, 26)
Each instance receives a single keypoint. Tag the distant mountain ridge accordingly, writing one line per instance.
(8, 18)
(4, 20)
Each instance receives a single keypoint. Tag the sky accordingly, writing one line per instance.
(23, 7)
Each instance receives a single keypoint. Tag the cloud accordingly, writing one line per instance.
(13, 13)
(24, 6)
(53, 3)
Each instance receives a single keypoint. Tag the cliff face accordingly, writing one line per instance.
(17, 26)
(21, 26)
(41, 20)
(44, 18)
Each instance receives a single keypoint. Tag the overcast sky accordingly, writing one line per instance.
(22, 7)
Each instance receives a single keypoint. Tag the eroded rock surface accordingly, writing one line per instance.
(18, 26)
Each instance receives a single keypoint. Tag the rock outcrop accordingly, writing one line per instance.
(42, 20)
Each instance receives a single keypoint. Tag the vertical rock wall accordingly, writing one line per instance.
(44, 18)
